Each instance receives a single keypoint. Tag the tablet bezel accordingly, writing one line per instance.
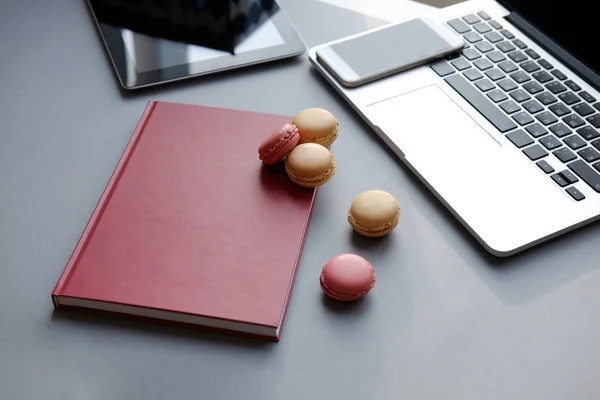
(130, 78)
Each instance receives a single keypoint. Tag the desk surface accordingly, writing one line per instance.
(445, 320)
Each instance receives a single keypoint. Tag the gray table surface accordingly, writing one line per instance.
(445, 320)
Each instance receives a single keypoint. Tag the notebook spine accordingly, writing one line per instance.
(101, 205)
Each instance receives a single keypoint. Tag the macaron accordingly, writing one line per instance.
(278, 144)
(347, 277)
(316, 125)
(310, 165)
(374, 213)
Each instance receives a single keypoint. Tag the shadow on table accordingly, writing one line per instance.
(352, 309)
(157, 329)
(515, 280)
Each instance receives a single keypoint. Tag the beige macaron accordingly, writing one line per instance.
(374, 213)
(316, 125)
(310, 165)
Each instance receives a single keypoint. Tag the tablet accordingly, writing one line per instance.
(156, 41)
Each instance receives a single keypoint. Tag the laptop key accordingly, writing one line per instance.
(493, 37)
(560, 129)
(588, 133)
(533, 87)
(558, 178)
(507, 66)
(442, 68)
(484, 85)
(559, 75)
(545, 64)
(587, 97)
(507, 85)
(471, 54)
(495, 74)
(510, 107)
(520, 77)
(507, 34)
(496, 56)
(497, 95)
(597, 106)
(495, 24)
(589, 154)
(517, 56)
(459, 26)
(564, 154)
(481, 103)
(546, 118)
(583, 109)
(569, 177)
(483, 64)
(484, 15)
(472, 74)
(575, 142)
(546, 98)
(519, 43)
(544, 166)
(461, 64)
(473, 37)
(586, 174)
(594, 120)
(520, 95)
(532, 54)
(536, 130)
(573, 86)
(530, 66)
(596, 144)
(542, 76)
(573, 121)
(471, 19)
(484, 47)
(522, 118)
(574, 193)
(535, 152)
(533, 106)
(482, 27)
(505, 46)
(569, 98)
(519, 138)
(550, 142)
(556, 87)
(559, 109)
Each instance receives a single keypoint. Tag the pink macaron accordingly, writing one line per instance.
(347, 277)
(278, 144)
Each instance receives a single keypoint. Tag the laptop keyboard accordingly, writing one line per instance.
(538, 108)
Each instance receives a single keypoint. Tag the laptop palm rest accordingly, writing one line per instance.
(460, 160)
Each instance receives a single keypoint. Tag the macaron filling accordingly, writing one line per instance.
(347, 296)
(330, 137)
(374, 229)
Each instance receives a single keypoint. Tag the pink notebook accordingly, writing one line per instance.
(191, 227)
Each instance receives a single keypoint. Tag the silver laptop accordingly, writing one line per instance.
(506, 135)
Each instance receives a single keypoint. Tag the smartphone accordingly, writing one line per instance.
(384, 51)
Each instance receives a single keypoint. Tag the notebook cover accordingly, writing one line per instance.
(192, 222)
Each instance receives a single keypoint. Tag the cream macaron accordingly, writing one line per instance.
(310, 165)
(374, 213)
(316, 125)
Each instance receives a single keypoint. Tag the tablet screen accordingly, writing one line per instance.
(151, 41)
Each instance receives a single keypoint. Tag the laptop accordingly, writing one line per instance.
(506, 134)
